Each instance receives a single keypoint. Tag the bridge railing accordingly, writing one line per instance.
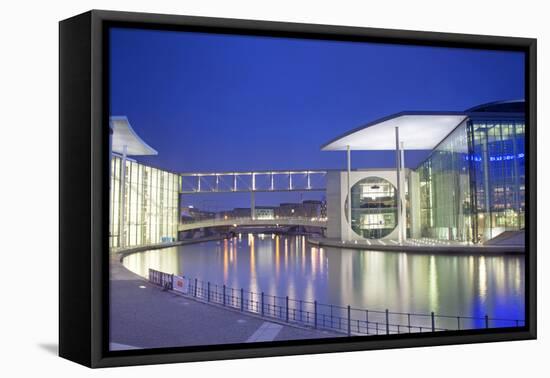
(280, 221)
(250, 219)
(253, 181)
(342, 319)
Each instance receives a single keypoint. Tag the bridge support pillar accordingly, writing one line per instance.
(252, 205)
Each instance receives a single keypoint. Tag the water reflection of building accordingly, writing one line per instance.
(471, 187)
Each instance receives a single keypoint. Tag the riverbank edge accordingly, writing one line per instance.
(491, 250)
(123, 252)
(119, 255)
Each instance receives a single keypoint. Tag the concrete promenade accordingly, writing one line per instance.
(145, 316)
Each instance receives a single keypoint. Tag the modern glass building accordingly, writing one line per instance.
(144, 200)
(151, 205)
(470, 188)
(473, 183)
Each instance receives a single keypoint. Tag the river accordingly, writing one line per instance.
(401, 282)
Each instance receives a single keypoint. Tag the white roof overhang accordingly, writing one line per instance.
(417, 131)
(124, 136)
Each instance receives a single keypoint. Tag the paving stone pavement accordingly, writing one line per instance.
(145, 316)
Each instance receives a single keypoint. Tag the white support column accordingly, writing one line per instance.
(348, 152)
(122, 231)
(234, 182)
(253, 181)
(398, 175)
(272, 182)
(488, 228)
(403, 199)
(199, 183)
(308, 180)
(217, 183)
(111, 183)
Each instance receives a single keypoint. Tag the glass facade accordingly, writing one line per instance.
(150, 198)
(445, 207)
(497, 169)
(472, 186)
(373, 208)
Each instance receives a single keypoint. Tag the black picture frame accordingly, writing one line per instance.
(83, 195)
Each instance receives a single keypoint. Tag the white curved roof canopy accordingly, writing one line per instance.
(417, 131)
(123, 135)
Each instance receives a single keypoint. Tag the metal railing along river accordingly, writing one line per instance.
(342, 319)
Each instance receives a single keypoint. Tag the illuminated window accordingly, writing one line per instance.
(373, 208)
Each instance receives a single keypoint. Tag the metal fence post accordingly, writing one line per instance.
(315, 313)
(387, 322)
(433, 322)
(409, 322)
(287, 308)
(349, 320)
(242, 299)
(195, 288)
(171, 282)
(486, 321)
(208, 292)
(301, 312)
(262, 303)
(224, 295)
(367, 320)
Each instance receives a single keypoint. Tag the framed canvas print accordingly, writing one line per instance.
(233, 188)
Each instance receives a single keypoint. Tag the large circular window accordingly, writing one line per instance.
(373, 208)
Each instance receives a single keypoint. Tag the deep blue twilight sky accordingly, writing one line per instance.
(219, 102)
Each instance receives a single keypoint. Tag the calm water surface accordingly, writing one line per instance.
(286, 265)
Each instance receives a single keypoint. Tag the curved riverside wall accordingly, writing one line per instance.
(436, 250)
(128, 251)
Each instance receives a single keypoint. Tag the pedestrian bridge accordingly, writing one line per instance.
(250, 222)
